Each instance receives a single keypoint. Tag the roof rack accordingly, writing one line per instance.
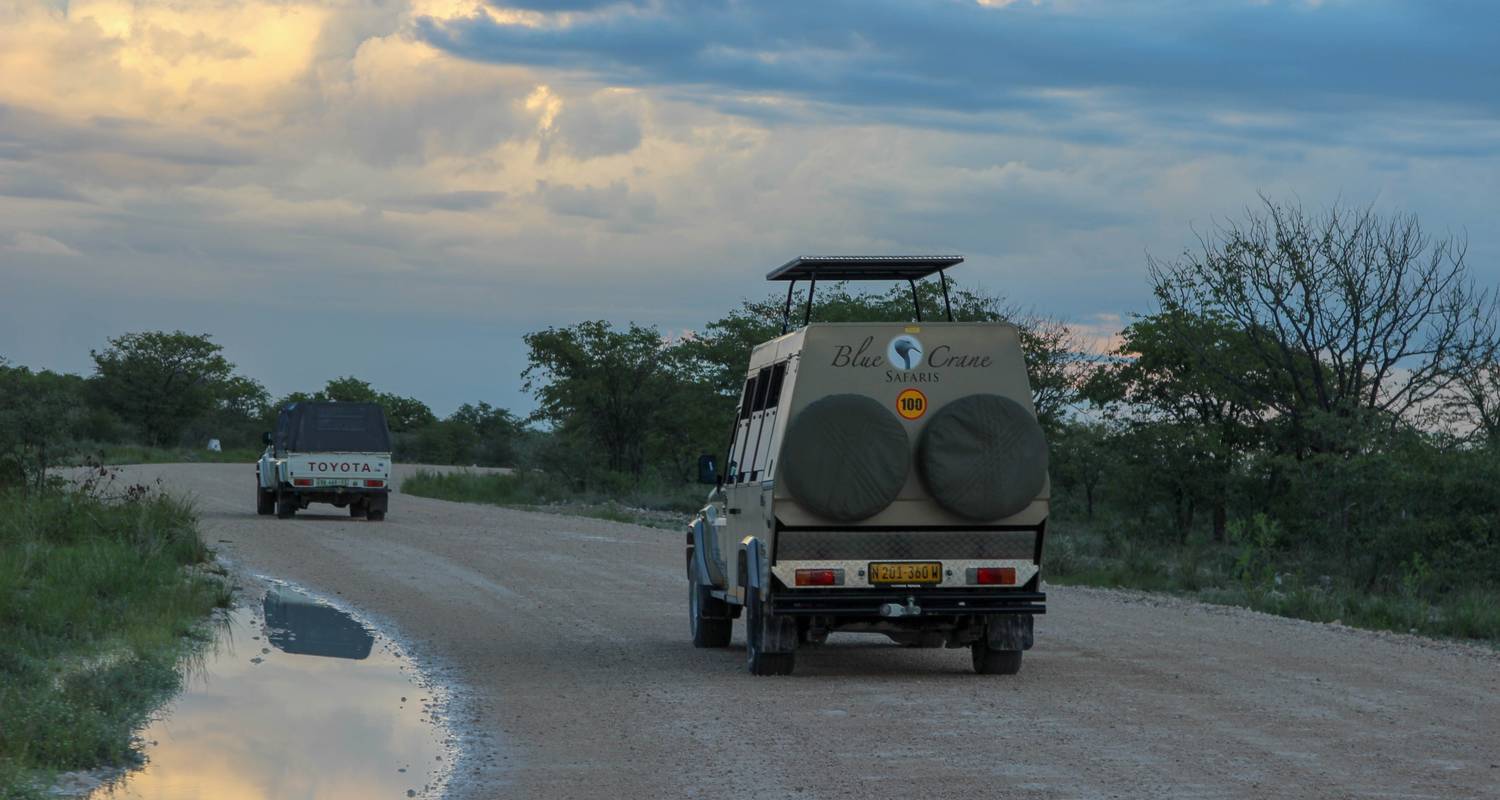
(861, 268)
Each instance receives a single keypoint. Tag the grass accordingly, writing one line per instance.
(121, 454)
(639, 503)
(101, 600)
(1233, 574)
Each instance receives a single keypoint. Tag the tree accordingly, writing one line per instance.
(160, 382)
(606, 387)
(1173, 367)
(1358, 316)
(402, 414)
(37, 412)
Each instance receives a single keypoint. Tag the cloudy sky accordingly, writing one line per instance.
(398, 189)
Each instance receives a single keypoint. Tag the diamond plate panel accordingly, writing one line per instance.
(883, 545)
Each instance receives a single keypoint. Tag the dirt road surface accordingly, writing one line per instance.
(567, 641)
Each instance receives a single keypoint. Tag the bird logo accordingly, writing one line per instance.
(905, 351)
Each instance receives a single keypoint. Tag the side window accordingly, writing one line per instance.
(773, 396)
(762, 386)
(732, 469)
(747, 403)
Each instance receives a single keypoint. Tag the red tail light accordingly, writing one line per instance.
(302, 482)
(374, 484)
(1001, 576)
(820, 577)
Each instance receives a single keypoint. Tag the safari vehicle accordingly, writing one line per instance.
(338, 453)
(880, 477)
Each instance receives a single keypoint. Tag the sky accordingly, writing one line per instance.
(400, 189)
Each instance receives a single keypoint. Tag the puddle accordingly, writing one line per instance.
(298, 699)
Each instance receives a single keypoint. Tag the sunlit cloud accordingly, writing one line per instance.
(505, 165)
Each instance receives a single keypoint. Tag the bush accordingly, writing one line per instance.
(98, 599)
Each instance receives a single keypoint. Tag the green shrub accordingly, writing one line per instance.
(99, 600)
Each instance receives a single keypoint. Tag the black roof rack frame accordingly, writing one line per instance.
(861, 268)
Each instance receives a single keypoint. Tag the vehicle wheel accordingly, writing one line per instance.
(286, 505)
(356, 510)
(375, 516)
(995, 662)
(265, 502)
(713, 630)
(761, 662)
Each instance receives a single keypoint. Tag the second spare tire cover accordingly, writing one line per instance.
(846, 457)
(983, 457)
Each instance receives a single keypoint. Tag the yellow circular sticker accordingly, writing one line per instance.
(911, 404)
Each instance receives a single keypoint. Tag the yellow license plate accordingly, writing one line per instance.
(907, 572)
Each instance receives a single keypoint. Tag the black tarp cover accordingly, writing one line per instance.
(846, 457)
(333, 428)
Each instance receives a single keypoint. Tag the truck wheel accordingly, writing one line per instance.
(761, 662)
(995, 662)
(286, 505)
(265, 502)
(356, 510)
(713, 630)
(375, 516)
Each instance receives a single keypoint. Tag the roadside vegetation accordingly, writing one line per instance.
(657, 504)
(1306, 420)
(104, 597)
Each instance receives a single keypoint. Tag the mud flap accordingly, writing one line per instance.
(1009, 631)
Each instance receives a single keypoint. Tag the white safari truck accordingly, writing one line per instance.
(338, 453)
(880, 477)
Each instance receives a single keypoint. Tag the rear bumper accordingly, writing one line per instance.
(933, 602)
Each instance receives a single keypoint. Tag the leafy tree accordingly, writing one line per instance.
(37, 413)
(601, 387)
(1356, 315)
(402, 414)
(161, 381)
(1083, 455)
(1173, 367)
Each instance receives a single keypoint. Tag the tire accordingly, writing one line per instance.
(759, 661)
(995, 662)
(286, 505)
(983, 457)
(375, 516)
(265, 502)
(357, 510)
(711, 631)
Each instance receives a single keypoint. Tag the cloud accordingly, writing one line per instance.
(471, 166)
(38, 244)
(1052, 60)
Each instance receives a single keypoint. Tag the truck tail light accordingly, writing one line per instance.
(820, 577)
(302, 481)
(374, 484)
(996, 576)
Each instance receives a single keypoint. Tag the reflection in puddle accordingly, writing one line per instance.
(298, 701)
(300, 625)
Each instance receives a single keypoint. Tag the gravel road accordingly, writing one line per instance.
(567, 641)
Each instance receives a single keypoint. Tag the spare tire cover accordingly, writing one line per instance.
(846, 457)
(983, 457)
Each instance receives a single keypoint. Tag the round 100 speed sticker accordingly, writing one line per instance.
(911, 404)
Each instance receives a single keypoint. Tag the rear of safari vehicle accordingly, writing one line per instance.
(910, 489)
(336, 453)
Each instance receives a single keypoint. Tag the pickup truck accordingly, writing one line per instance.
(336, 453)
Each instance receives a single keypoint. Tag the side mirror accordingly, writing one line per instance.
(708, 471)
(265, 438)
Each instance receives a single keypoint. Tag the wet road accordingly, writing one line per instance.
(569, 640)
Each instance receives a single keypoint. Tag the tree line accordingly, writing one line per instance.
(1320, 382)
